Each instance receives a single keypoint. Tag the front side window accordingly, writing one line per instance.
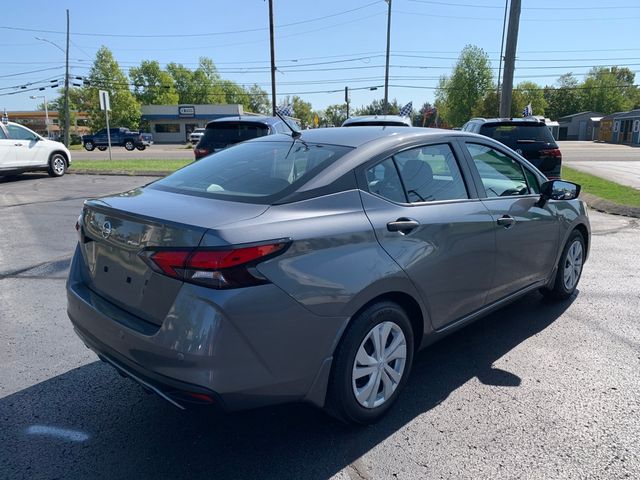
(2, 134)
(251, 171)
(20, 133)
(501, 175)
(532, 180)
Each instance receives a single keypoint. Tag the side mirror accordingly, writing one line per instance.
(558, 190)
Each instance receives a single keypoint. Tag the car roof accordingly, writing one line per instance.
(247, 118)
(377, 118)
(508, 120)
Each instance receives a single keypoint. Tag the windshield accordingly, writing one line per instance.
(257, 172)
(517, 134)
(223, 134)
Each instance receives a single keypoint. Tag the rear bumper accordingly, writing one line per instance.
(244, 348)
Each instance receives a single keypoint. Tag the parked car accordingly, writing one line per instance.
(528, 137)
(23, 150)
(120, 137)
(224, 132)
(377, 120)
(313, 268)
(196, 135)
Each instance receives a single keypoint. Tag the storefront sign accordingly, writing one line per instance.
(186, 111)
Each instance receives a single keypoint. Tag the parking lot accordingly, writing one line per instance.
(536, 390)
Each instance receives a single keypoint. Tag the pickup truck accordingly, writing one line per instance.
(120, 137)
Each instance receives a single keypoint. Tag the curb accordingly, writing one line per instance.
(592, 201)
(605, 206)
(120, 173)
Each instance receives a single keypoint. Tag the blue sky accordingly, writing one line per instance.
(321, 46)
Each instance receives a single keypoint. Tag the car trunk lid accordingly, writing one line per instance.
(116, 229)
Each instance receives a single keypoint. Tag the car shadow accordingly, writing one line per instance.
(90, 423)
(22, 177)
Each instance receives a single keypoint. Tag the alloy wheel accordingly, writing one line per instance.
(58, 165)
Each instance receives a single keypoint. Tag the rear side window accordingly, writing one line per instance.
(502, 176)
(254, 172)
(513, 135)
(427, 174)
(224, 134)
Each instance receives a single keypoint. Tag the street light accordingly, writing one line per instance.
(46, 111)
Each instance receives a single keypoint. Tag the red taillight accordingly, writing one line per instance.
(201, 152)
(551, 152)
(219, 268)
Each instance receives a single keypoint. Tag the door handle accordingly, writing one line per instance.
(17, 144)
(403, 225)
(506, 221)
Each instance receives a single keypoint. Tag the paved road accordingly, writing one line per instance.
(535, 391)
(619, 163)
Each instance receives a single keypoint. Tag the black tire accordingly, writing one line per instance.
(102, 149)
(57, 165)
(89, 146)
(560, 290)
(141, 147)
(341, 399)
(129, 145)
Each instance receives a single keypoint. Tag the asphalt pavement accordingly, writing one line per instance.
(536, 390)
(155, 151)
(618, 163)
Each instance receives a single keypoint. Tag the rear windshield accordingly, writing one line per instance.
(512, 135)
(374, 123)
(223, 134)
(257, 172)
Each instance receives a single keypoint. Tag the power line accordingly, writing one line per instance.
(30, 71)
(495, 19)
(193, 35)
(471, 5)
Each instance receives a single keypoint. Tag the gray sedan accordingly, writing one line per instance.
(313, 268)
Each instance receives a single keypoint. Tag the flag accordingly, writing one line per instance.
(286, 111)
(5, 117)
(406, 110)
(528, 111)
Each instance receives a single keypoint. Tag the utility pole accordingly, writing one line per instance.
(510, 59)
(273, 60)
(346, 99)
(66, 89)
(504, 27)
(386, 71)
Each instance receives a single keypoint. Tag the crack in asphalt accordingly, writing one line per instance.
(64, 199)
(18, 272)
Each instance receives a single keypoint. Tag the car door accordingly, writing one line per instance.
(100, 137)
(28, 147)
(527, 234)
(426, 218)
(7, 150)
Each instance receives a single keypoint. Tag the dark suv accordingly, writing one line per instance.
(528, 137)
(227, 131)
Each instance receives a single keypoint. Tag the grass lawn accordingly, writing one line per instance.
(76, 147)
(129, 166)
(602, 188)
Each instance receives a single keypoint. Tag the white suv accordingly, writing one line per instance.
(196, 135)
(23, 150)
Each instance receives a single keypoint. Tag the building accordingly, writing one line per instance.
(36, 121)
(626, 128)
(174, 123)
(579, 126)
(605, 132)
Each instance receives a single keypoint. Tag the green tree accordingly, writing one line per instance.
(425, 117)
(334, 114)
(301, 110)
(376, 107)
(152, 85)
(258, 100)
(605, 90)
(564, 98)
(458, 95)
(105, 74)
(528, 93)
